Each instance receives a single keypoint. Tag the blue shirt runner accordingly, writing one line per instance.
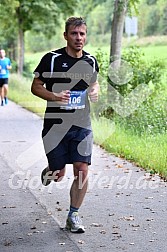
(4, 72)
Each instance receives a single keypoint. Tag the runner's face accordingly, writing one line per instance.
(76, 37)
(2, 54)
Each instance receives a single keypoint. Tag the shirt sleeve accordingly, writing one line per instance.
(42, 71)
(95, 73)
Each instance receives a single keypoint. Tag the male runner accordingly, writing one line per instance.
(70, 78)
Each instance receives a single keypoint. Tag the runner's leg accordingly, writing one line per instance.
(79, 185)
(5, 88)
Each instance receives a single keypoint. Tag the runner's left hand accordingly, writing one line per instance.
(93, 95)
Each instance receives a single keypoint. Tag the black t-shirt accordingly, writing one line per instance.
(59, 71)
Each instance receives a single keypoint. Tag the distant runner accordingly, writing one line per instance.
(5, 66)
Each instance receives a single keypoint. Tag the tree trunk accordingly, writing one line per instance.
(20, 41)
(120, 10)
(20, 51)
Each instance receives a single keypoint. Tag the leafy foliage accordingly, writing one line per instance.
(43, 12)
(151, 116)
(38, 15)
(8, 24)
(99, 23)
(163, 21)
(152, 17)
(144, 72)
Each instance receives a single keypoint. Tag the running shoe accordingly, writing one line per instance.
(74, 223)
(46, 176)
(2, 103)
(6, 100)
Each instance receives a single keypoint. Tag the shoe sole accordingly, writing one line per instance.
(78, 231)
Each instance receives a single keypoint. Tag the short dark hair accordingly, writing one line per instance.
(75, 21)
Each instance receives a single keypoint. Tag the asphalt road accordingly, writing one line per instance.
(125, 208)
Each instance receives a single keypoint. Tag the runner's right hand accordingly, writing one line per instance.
(63, 97)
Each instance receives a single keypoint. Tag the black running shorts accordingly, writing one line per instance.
(75, 146)
(3, 81)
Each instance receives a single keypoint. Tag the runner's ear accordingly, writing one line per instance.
(65, 35)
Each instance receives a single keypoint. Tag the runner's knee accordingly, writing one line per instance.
(58, 175)
(80, 169)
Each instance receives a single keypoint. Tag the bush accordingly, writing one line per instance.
(27, 72)
(149, 115)
(14, 67)
(144, 72)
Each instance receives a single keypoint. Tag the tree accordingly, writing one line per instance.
(8, 31)
(87, 6)
(120, 10)
(153, 20)
(99, 23)
(163, 23)
(42, 15)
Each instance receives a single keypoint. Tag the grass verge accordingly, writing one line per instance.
(147, 151)
(19, 92)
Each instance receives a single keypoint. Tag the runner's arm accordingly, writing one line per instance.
(38, 89)
(93, 91)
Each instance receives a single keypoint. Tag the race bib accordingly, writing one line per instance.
(76, 101)
(3, 71)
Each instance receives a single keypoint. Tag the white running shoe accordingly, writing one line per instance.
(74, 223)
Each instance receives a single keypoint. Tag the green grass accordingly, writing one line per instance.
(33, 59)
(150, 52)
(155, 52)
(20, 93)
(147, 151)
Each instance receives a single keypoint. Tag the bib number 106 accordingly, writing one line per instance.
(75, 100)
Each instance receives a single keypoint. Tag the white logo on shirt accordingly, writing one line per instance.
(64, 65)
